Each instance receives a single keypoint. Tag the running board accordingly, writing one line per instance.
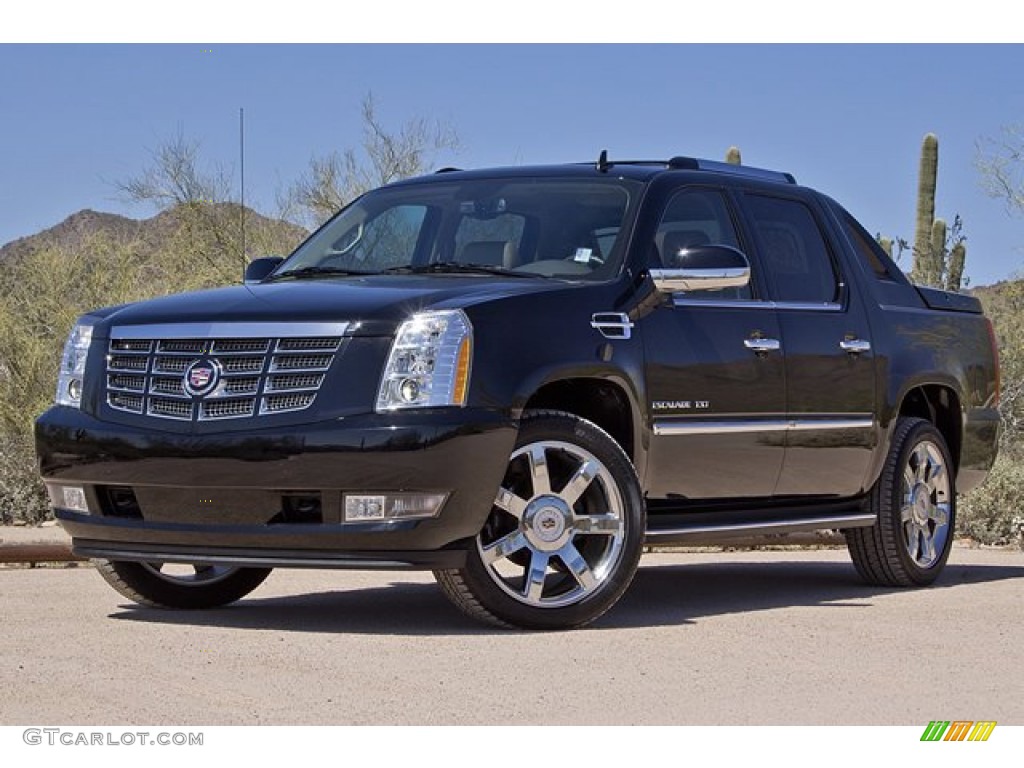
(711, 533)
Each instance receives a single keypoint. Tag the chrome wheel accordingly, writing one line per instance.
(914, 500)
(556, 532)
(925, 511)
(189, 575)
(560, 543)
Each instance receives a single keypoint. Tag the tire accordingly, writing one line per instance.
(548, 559)
(160, 585)
(915, 503)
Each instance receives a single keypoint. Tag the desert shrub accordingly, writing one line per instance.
(994, 512)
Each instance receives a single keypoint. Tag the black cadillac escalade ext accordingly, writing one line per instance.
(516, 378)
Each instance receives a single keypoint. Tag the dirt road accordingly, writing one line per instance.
(737, 638)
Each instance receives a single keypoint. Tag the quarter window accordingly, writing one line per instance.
(867, 248)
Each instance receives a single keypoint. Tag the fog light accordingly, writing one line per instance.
(70, 497)
(409, 390)
(392, 506)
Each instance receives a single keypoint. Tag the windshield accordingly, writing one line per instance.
(520, 227)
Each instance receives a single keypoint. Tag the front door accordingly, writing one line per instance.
(715, 373)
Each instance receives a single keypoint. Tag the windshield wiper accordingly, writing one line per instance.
(456, 267)
(315, 272)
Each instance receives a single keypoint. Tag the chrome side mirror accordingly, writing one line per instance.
(703, 268)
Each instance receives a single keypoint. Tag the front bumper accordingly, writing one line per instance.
(226, 498)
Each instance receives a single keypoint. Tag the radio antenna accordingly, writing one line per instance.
(241, 152)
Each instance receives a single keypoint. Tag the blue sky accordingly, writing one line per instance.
(845, 119)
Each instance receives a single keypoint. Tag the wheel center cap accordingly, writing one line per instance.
(549, 524)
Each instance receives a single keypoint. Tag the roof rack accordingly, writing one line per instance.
(698, 164)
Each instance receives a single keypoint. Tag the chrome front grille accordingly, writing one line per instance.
(236, 376)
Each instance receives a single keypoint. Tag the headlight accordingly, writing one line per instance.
(72, 364)
(429, 362)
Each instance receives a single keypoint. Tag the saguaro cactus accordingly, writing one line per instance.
(924, 270)
(955, 270)
(733, 156)
(937, 252)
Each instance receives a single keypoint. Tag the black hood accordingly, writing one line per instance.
(375, 303)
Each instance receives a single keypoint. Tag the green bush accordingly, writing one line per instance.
(994, 512)
(44, 289)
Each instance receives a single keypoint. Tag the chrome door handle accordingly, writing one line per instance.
(760, 346)
(855, 346)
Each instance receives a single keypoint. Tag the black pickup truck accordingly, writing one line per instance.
(519, 377)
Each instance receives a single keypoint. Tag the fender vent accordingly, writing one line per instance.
(612, 325)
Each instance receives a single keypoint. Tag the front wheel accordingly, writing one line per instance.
(915, 503)
(564, 535)
(164, 585)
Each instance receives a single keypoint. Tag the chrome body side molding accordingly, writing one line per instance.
(687, 426)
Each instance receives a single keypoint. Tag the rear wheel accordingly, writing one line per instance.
(915, 501)
(564, 536)
(167, 585)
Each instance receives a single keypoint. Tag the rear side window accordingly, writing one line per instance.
(793, 250)
(869, 251)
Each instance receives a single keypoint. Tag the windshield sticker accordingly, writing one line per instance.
(582, 254)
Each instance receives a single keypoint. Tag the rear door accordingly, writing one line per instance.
(714, 368)
(829, 360)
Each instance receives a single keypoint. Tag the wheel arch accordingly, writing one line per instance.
(604, 400)
(941, 405)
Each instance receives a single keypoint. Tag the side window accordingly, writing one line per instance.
(793, 250)
(867, 249)
(695, 217)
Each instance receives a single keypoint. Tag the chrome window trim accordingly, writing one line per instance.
(227, 330)
(829, 306)
(682, 301)
(685, 426)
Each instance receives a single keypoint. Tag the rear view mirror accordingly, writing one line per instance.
(703, 268)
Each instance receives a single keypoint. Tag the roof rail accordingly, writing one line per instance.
(698, 164)
(737, 170)
(447, 169)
